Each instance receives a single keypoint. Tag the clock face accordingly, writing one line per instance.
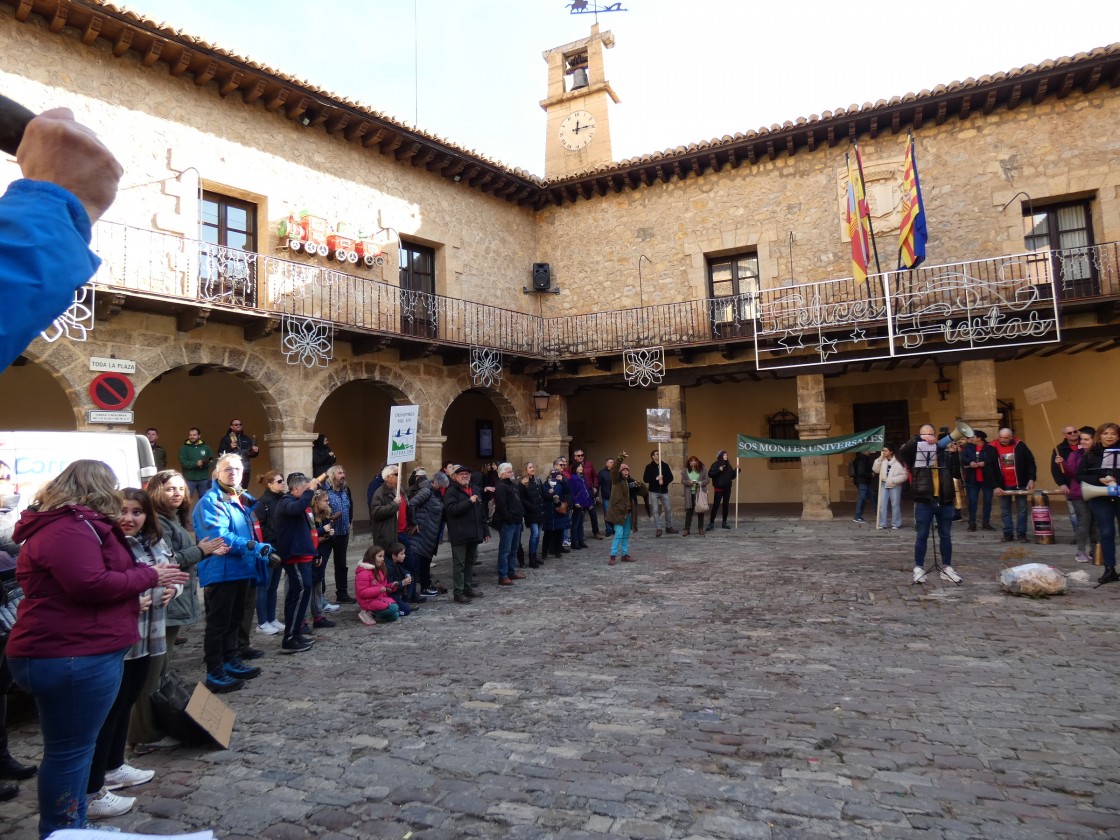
(577, 130)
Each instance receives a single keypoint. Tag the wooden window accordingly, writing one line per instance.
(892, 414)
(1065, 231)
(783, 426)
(419, 315)
(733, 288)
(228, 259)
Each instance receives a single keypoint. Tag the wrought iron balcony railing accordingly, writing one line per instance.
(934, 299)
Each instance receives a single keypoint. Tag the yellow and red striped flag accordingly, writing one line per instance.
(912, 234)
(859, 220)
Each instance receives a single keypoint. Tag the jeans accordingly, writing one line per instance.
(864, 494)
(297, 597)
(198, 488)
(924, 514)
(621, 543)
(1106, 513)
(73, 695)
(578, 516)
(1023, 505)
(225, 608)
(509, 537)
(890, 505)
(268, 595)
(974, 491)
(109, 752)
(1087, 530)
(608, 527)
(660, 502)
(534, 537)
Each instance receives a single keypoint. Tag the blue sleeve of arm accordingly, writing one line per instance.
(44, 240)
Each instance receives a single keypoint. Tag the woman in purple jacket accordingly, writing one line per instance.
(76, 623)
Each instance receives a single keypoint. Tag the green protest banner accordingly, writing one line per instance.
(869, 441)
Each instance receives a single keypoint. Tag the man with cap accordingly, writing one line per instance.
(465, 511)
(978, 464)
(291, 519)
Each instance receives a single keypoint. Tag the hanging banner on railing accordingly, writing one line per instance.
(869, 441)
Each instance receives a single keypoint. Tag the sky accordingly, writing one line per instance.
(685, 71)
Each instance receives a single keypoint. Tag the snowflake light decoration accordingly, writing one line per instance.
(306, 341)
(76, 322)
(644, 367)
(486, 367)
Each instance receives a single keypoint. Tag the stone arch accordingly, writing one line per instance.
(62, 366)
(263, 379)
(510, 402)
(402, 389)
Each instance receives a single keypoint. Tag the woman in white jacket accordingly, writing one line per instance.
(892, 475)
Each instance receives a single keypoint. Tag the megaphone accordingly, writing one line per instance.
(1093, 491)
(960, 430)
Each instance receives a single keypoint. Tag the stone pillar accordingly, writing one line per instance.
(289, 451)
(429, 452)
(812, 412)
(675, 452)
(978, 396)
(541, 450)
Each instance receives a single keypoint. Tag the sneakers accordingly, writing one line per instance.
(1109, 575)
(240, 671)
(858, 519)
(267, 629)
(366, 617)
(896, 527)
(323, 621)
(567, 543)
(296, 644)
(919, 574)
(126, 776)
(331, 607)
(1082, 557)
(949, 573)
(106, 804)
(220, 682)
(279, 625)
(726, 526)
(430, 592)
(343, 598)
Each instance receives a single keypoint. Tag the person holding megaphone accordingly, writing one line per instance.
(1100, 484)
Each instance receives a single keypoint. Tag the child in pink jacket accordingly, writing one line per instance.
(374, 590)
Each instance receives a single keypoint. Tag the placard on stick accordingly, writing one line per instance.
(658, 427)
(1042, 393)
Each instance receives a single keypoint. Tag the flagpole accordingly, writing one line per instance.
(870, 226)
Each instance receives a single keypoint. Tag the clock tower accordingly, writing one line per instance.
(578, 135)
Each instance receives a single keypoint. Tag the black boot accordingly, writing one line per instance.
(12, 769)
(534, 563)
(521, 557)
(8, 791)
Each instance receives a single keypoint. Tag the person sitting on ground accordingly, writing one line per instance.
(374, 590)
(398, 573)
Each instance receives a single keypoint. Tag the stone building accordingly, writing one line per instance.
(303, 262)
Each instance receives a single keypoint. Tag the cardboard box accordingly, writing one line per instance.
(212, 714)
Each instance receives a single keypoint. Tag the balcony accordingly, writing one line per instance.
(979, 304)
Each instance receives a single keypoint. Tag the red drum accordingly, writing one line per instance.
(1040, 517)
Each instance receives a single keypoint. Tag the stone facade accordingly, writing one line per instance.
(184, 136)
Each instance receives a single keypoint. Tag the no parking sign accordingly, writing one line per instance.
(111, 391)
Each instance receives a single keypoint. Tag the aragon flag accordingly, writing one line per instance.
(912, 235)
(857, 219)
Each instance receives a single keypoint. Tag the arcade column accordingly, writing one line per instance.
(675, 452)
(429, 452)
(978, 396)
(289, 452)
(812, 412)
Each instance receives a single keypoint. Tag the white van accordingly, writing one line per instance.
(28, 459)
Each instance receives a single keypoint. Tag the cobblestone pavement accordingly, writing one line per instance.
(784, 680)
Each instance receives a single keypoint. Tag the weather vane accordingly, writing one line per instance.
(583, 7)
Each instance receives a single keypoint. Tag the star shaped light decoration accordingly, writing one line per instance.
(307, 342)
(859, 334)
(826, 347)
(486, 367)
(789, 345)
(645, 367)
(76, 322)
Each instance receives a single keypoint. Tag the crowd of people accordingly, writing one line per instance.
(111, 577)
(970, 473)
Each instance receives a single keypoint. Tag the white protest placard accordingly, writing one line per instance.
(658, 429)
(1042, 393)
(403, 420)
